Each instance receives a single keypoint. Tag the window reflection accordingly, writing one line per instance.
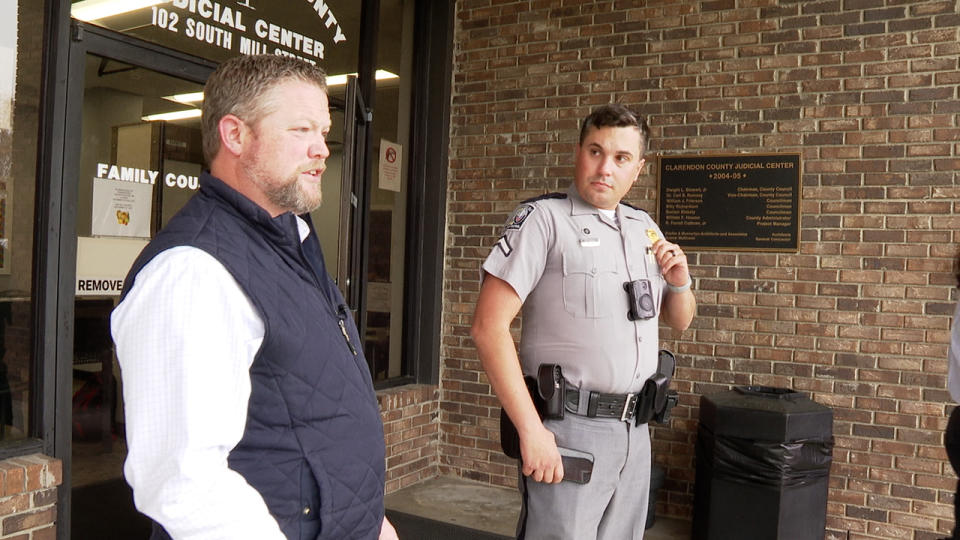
(388, 204)
(20, 77)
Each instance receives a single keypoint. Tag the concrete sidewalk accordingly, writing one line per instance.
(488, 508)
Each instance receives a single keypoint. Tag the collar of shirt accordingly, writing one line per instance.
(579, 207)
(302, 228)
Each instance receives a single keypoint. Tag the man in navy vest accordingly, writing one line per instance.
(250, 411)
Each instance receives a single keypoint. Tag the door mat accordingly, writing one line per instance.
(421, 528)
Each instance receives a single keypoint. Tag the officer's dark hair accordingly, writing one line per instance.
(616, 115)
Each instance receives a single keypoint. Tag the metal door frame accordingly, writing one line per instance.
(356, 123)
(84, 40)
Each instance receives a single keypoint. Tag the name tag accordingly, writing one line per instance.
(589, 242)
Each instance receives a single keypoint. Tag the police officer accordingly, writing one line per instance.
(565, 259)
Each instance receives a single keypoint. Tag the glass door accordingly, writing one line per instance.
(139, 157)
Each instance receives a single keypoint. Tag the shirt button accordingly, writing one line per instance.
(306, 510)
(593, 270)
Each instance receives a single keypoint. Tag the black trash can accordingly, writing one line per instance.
(763, 465)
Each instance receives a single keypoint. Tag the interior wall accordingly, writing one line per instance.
(858, 319)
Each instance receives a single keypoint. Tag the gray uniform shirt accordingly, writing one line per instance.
(568, 262)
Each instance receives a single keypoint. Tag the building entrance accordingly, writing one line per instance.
(136, 110)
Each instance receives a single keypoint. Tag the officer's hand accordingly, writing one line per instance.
(673, 263)
(540, 457)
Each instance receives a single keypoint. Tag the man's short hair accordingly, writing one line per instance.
(616, 115)
(240, 86)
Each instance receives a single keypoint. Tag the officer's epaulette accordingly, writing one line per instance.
(625, 203)
(546, 196)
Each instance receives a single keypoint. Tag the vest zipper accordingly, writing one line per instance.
(322, 286)
(346, 335)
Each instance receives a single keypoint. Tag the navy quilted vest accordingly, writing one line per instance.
(313, 445)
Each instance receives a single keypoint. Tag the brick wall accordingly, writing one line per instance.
(866, 91)
(411, 428)
(28, 497)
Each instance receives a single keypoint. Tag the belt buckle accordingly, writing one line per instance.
(629, 407)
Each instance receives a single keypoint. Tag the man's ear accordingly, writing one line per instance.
(643, 162)
(233, 134)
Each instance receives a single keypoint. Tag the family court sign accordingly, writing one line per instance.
(301, 28)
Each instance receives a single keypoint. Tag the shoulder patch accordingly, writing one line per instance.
(519, 216)
(546, 196)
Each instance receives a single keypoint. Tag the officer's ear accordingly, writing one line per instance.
(640, 165)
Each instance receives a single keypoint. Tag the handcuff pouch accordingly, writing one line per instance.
(551, 388)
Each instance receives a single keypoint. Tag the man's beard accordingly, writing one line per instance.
(288, 195)
(292, 196)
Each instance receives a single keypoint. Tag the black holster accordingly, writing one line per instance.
(547, 390)
(657, 399)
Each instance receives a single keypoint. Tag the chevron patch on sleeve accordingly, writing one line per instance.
(504, 246)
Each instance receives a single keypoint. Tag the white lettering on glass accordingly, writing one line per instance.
(215, 23)
(127, 174)
(181, 181)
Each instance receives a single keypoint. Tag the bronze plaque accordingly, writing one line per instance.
(737, 201)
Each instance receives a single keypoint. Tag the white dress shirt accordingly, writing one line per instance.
(186, 335)
(953, 357)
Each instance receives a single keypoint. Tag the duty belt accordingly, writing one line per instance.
(621, 406)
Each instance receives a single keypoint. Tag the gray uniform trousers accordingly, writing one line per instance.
(613, 505)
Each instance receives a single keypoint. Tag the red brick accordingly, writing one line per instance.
(28, 520)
